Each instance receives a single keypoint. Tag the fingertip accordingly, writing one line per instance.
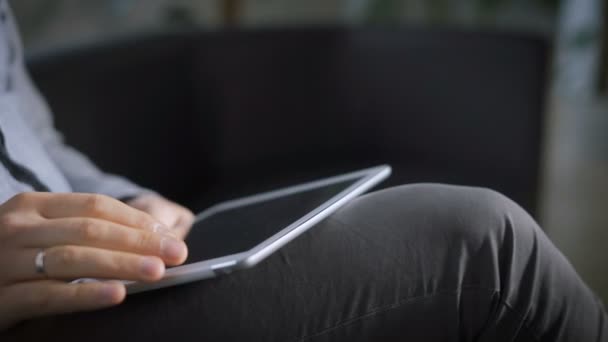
(174, 251)
(152, 268)
(112, 293)
(185, 256)
(181, 258)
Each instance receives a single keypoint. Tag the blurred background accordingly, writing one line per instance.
(215, 98)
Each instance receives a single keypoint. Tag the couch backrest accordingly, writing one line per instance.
(217, 114)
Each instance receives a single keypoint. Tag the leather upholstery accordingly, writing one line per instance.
(203, 116)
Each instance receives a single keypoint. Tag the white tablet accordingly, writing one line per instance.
(240, 233)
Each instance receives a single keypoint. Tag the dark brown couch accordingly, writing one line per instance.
(202, 116)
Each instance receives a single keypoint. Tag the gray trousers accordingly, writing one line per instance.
(412, 263)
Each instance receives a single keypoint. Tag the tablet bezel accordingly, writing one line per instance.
(246, 259)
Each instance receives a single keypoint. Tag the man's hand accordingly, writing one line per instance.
(174, 216)
(82, 236)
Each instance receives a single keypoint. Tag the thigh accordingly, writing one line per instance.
(425, 262)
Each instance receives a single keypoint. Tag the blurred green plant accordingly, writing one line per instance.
(385, 11)
(491, 5)
(391, 10)
(603, 79)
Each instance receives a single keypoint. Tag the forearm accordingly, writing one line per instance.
(79, 171)
(84, 176)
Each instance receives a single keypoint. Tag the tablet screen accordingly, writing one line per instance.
(240, 229)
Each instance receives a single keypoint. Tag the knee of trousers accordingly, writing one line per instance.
(452, 235)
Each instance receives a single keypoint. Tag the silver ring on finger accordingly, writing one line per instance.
(39, 262)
